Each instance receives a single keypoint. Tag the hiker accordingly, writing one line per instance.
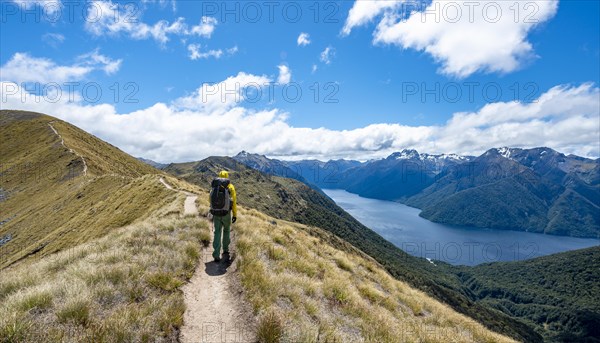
(222, 206)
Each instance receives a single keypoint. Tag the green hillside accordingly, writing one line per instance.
(61, 187)
(558, 294)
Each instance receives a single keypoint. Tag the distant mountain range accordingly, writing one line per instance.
(537, 190)
(156, 165)
(270, 166)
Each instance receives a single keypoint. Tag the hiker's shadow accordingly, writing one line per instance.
(213, 268)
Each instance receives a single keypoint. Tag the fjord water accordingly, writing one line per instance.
(401, 225)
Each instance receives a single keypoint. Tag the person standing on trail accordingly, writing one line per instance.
(223, 203)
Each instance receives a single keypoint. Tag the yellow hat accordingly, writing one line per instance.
(224, 174)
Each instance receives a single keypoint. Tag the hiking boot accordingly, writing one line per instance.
(217, 259)
(226, 255)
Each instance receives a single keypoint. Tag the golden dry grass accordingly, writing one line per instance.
(62, 216)
(50, 205)
(120, 288)
(304, 289)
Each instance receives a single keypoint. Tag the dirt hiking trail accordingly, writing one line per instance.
(216, 310)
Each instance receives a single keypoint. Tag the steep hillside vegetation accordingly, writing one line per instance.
(308, 285)
(61, 187)
(123, 287)
(291, 200)
(559, 294)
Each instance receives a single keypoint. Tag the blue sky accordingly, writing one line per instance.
(363, 73)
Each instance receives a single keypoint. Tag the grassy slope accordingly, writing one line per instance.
(559, 294)
(304, 283)
(291, 200)
(50, 204)
(123, 287)
(308, 285)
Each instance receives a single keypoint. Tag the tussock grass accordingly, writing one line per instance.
(270, 328)
(305, 287)
(123, 287)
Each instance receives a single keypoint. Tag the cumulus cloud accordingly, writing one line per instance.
(364, 11)
(222, 96)
(464, 37)
(108, 18)
(303, 39)
(285, 74)
(214, 121)
(327, 55)
(25, 68)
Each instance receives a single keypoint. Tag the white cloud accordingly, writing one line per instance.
(107, 18)
(222, 96)
(285, 75)
(95, 60)
(205, 28)
(213, 121)
(364, 11)
(314, 68)
(162, 3)
(24, 68)
(195, 52)
(233, 50)
(50, 7)
(464, 36)
(303, 39)
(327, 55)
(53, 39)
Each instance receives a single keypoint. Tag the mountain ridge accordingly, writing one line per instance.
(62, 186)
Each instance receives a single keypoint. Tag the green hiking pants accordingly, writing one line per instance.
(221, 224)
